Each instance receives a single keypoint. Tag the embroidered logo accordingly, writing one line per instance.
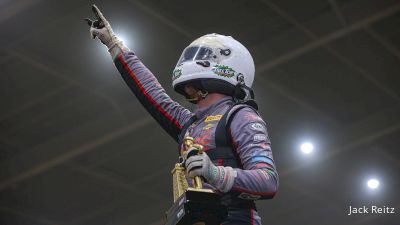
(213, 118)
(224, 71)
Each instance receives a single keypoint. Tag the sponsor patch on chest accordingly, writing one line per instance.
(213, 118)
(208, 126)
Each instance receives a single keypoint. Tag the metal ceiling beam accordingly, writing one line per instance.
(116, 182)
(384, 42)
(165, 20)
(112, 155)
(28, 216)
(314, 196)
(5, 57)
(53, 72)
(112, 180)
(19, 109)
(137, 182)
(15, 7)
(353, 142)
(295, 98)
(338, 12)
(48, 25)
(365, 74)
(391, 158)
(334, 52)
(263, 67)
(73, 153)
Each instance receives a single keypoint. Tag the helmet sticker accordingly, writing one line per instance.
(176, 74)
(225, 52)
(203, 63)
(224, 71)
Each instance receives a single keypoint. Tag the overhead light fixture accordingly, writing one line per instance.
(123, 39)
(373, 183)
(307, 147)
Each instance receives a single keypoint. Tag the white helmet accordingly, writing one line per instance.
(214, 63)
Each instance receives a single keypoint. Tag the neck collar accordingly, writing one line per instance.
(200, 112)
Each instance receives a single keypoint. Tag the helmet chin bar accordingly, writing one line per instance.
(199, 95)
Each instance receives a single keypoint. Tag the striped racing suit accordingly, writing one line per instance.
(256, 177)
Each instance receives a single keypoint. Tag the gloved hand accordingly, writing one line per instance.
(101, 29)
(219, 176)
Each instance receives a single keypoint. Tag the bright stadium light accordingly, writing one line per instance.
(123, 36)
(373, 183)
(307, 147)
(123, 39)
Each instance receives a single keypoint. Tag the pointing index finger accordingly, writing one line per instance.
(98, 13)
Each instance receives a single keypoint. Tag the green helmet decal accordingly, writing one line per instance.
(176, 74)
(224, 71)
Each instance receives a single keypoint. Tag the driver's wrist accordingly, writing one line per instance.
(116, 47)
(224, 178)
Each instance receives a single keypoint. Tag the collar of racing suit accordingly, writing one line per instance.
(201, 112)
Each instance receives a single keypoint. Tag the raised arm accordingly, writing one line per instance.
(168, 113)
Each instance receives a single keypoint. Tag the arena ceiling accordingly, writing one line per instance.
(77, 148)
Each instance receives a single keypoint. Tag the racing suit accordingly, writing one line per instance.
(256, 177)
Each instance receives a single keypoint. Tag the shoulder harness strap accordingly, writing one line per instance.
(224, 146)
(223, 136)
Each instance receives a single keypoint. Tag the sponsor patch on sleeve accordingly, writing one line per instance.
(257, 127)
(259, 137)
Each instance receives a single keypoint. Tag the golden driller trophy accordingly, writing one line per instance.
(193, 205)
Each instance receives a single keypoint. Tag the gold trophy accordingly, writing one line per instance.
(193, 205)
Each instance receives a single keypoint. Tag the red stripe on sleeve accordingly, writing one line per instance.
(159, 107)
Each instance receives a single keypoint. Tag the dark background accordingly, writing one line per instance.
(76, 147)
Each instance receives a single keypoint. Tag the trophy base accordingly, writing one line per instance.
(197, 207)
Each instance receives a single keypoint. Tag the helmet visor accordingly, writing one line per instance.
(193, 53)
